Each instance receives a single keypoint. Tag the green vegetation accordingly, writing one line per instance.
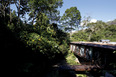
(71, 19)
(71, 59)
(95, 32)
(31, 44)
(81, 75)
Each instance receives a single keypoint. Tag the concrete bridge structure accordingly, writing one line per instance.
(94, 53)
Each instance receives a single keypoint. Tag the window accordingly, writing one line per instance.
(73, 48)
(90, 52)
(77, 49)
(82, 49)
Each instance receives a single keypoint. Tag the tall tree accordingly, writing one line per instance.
(49, 7)
(22, 7)
(71, 18)
(5, 10)
(5, 7)
(85, 21)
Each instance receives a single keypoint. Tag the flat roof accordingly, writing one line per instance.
(97, 44)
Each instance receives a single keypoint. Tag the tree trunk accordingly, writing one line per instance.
(19, 11)
(71, 32)
(90, 36)
(10, 14)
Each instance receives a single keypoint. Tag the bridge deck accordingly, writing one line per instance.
(100, 45)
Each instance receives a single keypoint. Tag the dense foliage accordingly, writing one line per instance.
(71, 19)
(35, 45)
(95, 32)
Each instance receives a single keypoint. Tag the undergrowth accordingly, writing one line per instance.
(71, 59)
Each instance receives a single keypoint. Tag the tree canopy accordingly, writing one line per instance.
(49, 7)
(71, 19)
(36, 45)
(95, 32)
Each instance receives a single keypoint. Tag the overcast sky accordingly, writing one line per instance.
(104, 10)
